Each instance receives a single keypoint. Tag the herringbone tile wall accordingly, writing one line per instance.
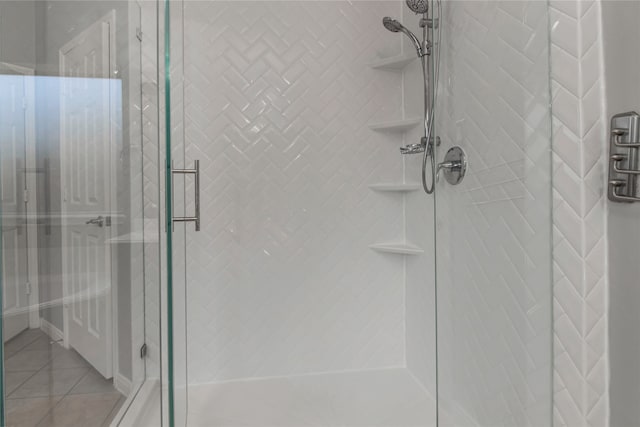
(245, 64)
(494, 229)
(279, 98)
(580, 281)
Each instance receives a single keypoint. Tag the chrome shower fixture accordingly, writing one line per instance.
(430, 45)
(395, 26)
(418, 6)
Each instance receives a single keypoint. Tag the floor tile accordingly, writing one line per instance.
(28, 412)
(63, 359)
(20, 341)
(13, 380)
(93, 382)
(43, 342)
(50, 383)
(86, 410)
(28, 360)
(42, 374)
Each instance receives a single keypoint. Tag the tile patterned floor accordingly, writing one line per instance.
(49, 386)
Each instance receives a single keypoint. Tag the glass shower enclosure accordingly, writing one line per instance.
(81, 231)
(323, 286)
(207, 221)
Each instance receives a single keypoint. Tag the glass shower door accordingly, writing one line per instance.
(493, 230)
(80, 265)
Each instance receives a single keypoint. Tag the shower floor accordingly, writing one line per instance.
(385, 397)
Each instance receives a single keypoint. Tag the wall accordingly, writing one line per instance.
(17, 33)
(278, 99)
(621, 35)
(493, 239)
(580, 280)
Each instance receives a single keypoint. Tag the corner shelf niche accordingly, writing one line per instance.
(393, 63)
(402, 125)
(401, 248)
(392, 187)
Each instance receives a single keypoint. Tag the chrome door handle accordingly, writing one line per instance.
(99, 221)
(196, 173)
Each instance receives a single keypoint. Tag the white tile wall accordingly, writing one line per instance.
(580, 283)
(580, 286)
(281, 280)
(493, 230)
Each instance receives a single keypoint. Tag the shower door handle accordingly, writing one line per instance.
(196, 173)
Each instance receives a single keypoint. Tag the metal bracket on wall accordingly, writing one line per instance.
(624, 157)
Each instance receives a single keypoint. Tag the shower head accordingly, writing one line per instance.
(394, 26)
(418, 6)
(391, 24)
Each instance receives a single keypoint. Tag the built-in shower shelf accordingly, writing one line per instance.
(402, 248)
(395, 125)
(395, 187)
(397, 62)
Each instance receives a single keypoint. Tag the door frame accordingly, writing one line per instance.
(110, 20)
(31, 183)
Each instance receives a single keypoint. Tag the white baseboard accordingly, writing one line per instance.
(122, 384)
(54, 333)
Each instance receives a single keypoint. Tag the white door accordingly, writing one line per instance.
(86, 142)
(15, 297)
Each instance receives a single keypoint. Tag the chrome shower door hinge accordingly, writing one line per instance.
(143, 351)
(624, 157)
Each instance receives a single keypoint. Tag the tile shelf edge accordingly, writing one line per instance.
(400, 248)
(401, 125)
(393, 63)
(392, 187)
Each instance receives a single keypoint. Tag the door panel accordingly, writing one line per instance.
(86, 121)
(15, 278)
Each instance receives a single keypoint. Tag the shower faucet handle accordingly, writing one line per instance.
(454, 166)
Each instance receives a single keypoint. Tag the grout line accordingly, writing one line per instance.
(24, 346)
(50, 411)
(21, 384)
(49, 367)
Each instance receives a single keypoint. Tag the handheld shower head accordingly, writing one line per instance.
(394, 26)
(391, 24)
(418, 6)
